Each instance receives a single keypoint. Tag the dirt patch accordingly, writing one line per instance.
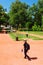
(10, 51)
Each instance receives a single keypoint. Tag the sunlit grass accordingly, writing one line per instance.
(36, 32)
(23, 36)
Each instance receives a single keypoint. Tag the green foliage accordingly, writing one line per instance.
(42, 24)
(28, 25)
(1, 8)
(40, 3)
(40, 6)
(18, 14)
(21, 13)
(22, 16)
(42, 27)
(36, 28)
(3, 16)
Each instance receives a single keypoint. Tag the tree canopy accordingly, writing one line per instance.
(18, 13)
(3, 16)
(21, 15)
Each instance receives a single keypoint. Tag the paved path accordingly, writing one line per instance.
(10, 51)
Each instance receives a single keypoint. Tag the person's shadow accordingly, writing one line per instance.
(31, 58)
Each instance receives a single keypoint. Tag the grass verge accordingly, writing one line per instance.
(23, 36)
(36, 32)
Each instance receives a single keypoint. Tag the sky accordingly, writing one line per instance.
(6, 3)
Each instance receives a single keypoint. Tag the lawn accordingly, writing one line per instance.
(36, 32)
(20, 36)
(23, 36)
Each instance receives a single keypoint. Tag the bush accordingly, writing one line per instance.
(28, 25)
(38, 28)
(34, 28)
(42, 27)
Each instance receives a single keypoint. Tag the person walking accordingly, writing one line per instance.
(26, 48)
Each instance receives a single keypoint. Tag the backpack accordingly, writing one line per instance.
(28, 46)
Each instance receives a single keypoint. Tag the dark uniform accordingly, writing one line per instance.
(26, 48)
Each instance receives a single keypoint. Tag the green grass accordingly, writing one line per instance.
(35, 38)
(36, 32)
(12, 35)
(20, 36)
(23, 36)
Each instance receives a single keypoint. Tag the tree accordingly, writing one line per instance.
(34, 28)
(40, 5)
(18, 13)
(36, 14)
(3, 16)
(1, 13)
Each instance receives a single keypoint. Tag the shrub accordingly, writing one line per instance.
(28, 25)
(34, 28)
(38, 28)
(42, 27)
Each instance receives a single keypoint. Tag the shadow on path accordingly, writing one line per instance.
(31, 58)
(34, 58)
